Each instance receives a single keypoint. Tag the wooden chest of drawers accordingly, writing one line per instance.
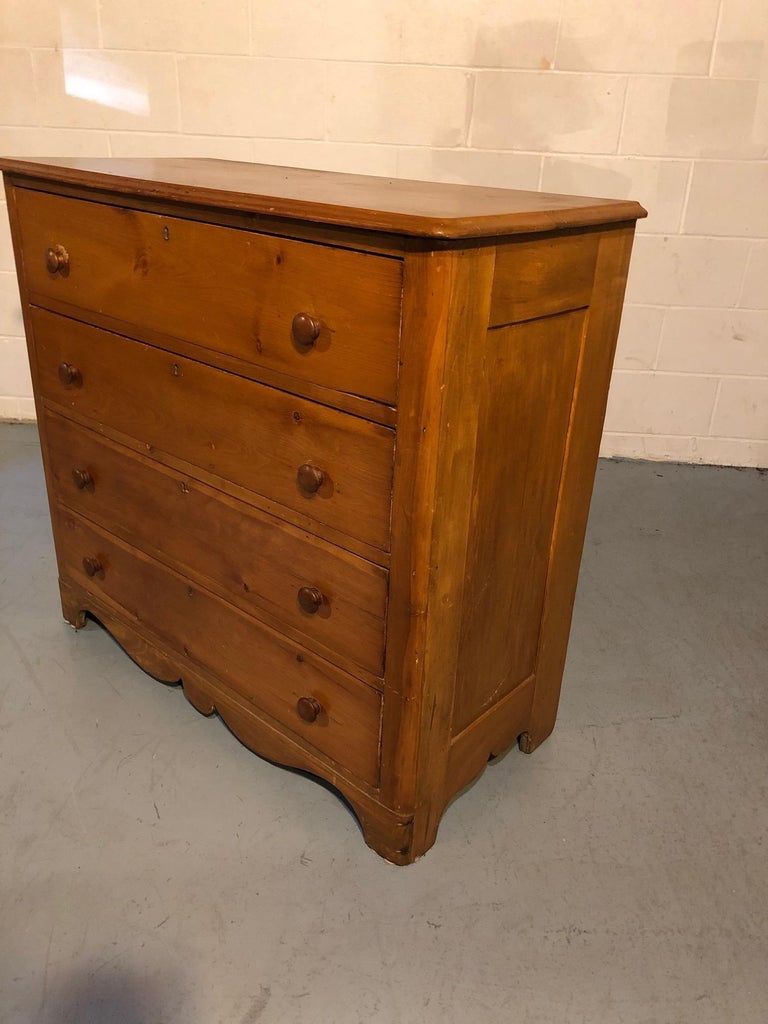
(321, 447)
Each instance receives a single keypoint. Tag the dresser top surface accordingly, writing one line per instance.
(419, 208)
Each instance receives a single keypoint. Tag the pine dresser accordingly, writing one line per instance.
(321, 447)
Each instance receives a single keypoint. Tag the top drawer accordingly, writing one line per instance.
(257, 297)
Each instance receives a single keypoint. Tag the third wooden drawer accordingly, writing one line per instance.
(267, 567)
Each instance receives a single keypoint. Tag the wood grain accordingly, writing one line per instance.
(526, 390)
(416, 208)
(489, 736)
(180, 470)
(445, 322)
(582, 449)
(235, 292)
(259, 664)
(356, 405)
(541, 276)
(387, 833)
(254, 560)
(253, 435)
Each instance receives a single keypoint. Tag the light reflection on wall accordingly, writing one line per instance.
(100, 79)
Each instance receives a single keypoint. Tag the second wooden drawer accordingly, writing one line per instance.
(324, 464)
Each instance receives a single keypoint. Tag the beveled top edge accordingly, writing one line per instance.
(418, 208)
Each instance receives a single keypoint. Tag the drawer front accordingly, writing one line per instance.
(226, 289)
(254, 435)
(262, 564)
(263, 667)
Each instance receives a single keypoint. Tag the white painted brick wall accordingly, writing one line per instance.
(662, 102)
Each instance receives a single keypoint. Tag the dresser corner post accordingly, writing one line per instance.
(72, 604)
(577, 476)
(445, 320)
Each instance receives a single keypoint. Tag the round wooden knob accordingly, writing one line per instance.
(305, 329)
(69, 374)
(310, 599)
(308, 709)
(310, 478)
(93, 567)
(82, 479)
(56, 259)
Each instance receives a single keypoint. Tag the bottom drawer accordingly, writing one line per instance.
(275, 675)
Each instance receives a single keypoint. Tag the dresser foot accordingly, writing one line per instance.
(529, 741)
(73, 607)
(400, 839)
(389, 835)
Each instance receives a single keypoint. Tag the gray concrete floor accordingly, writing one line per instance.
(153, 871)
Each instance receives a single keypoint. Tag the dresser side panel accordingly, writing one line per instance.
(526, 390)
(585, 431)
(544, 391)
